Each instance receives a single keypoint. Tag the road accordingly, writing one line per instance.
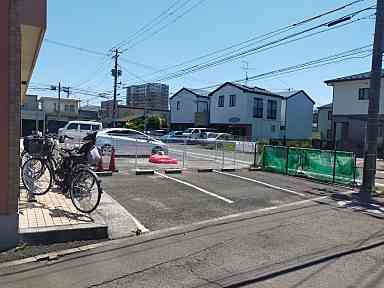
(312, 244)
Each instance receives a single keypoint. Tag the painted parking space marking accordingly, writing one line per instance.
(261, 183)
(229, 201)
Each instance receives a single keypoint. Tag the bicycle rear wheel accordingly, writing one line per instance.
(85, 191)
(36, 176)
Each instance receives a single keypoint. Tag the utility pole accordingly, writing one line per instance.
(115, 74)
(58, 109)
(369, 171)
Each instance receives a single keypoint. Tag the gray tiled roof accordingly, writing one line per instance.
(361, 76)
(327, 106)
(200, 92)
(287, 94)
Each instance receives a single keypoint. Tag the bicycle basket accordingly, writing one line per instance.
(36, 146)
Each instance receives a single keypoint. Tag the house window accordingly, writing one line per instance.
(72, 108)
(178, 105)
(232, 100)
(272, 109)
(66, 108)
(363, 93)
(329, 115)
(221, 101)
(257, 108)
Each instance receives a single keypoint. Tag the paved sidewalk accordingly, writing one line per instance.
(53, 218)
(51, 209)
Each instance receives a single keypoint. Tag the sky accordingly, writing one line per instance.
(208, 25)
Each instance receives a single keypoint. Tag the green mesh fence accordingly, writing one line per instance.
(311, 163)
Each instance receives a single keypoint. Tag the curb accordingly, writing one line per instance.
(173, 171)
(104, 173)
(254, 168)
(227, 169)
(204, 170)
(145, 172)
(51, 255)
(66, 233)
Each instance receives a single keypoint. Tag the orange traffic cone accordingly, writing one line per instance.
(112, 162)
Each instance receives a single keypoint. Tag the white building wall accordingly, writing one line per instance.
(263, 128)
(188, 106)
(324, 123)
(48, 105)
(346, 98)
(223, 115)
(299, 113)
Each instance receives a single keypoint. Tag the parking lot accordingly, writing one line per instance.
(166, 200)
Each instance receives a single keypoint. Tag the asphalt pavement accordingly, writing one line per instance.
(166, 200)
(309, 244)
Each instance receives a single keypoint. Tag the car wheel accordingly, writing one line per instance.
(157, 149)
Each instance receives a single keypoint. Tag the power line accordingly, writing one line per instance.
(164, 26)
(150, 24)
(356, 53)
(262, 37)
(269, 45)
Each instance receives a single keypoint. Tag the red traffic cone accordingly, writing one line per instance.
(112, 162)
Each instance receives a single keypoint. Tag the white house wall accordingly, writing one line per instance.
(299, 117)
(226, 114)
(346, 101)
(188, 107)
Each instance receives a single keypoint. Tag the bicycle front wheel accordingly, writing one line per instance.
(36, 176)
(85, 191)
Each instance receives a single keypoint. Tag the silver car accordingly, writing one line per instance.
(128, 142)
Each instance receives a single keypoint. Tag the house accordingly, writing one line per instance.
(297, 114)
(58, 113)
(250, 112)
(90, 112)
(32, 118)
(324, 124)
(350, 110)
(189, 108)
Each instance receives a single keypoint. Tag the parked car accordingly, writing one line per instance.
(194, 133)
(128, 142)
(77, 130)
(156, 133)
(214, 140)
(173, 136)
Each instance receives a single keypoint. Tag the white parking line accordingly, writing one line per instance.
(205, 156)
(261, 183)
(196, 187)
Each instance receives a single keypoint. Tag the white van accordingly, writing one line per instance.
(78, 130)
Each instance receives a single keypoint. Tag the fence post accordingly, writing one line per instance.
(334, 166)
(222, 162)
(184, 147)
(255, 156)
(286, 162)
(136, 153)
(234, 156)
(354, 169)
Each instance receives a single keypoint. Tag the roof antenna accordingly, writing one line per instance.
(246, 68)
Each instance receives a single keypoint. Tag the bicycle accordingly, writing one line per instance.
(71, 173)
